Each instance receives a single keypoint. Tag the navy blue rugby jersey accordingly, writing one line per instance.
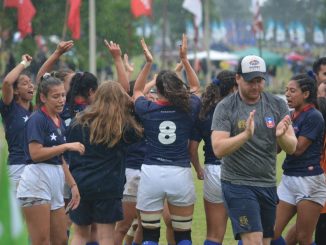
(100, 171)
(204, 132)
(14, 118)
(42, 129)
(136, 154)
(66, 113)
(309, 124)
(167, 131)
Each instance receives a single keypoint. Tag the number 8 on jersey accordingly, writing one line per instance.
(167, 132)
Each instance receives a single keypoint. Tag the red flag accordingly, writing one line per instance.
(10, 3)
(258, 20)
(74, 18)
(141, 7)
(26, 12)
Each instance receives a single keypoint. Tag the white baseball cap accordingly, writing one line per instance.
(252, 66)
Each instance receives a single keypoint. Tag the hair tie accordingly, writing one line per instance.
(311, 74)
(216, 81)
(46, 76)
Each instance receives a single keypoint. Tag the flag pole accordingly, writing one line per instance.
(64, 29)
(207, 41)
(92, 37)
(260, 44)
(165, 4)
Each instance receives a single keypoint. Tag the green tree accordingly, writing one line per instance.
(113, 21)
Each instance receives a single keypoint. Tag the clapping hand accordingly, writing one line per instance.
(147, 53)
(64, 46)
(114, 48)
(283, 126)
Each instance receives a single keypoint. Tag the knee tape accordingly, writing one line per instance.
(131, 231)
(135, 222)
(181, 222)
(133, 227)
(151, 220)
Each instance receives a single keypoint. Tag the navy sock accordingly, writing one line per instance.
(240, 242)
(182, 237)
(151, 235)
(184, 242)
(278, 241)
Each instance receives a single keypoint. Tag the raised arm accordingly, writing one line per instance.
(191, 74)
(63, 47)
(115, 51)
(178, 69)
(12, 76)
(128, 66)
(142, 77)
(150, 84)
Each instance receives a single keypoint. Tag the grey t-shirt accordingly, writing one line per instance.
(254, 163)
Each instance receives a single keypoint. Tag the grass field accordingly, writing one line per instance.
(199, 223)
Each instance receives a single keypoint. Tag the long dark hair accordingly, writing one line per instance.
(80, 85)
(170, 86)
(220, 87)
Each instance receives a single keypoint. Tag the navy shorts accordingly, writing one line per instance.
(250, 208)
(106, 211)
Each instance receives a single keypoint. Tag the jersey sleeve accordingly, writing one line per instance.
(5, 109)
(195, 132)
(312, 127)
(35, 128)
(142, 105)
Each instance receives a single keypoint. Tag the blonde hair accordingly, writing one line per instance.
(109, 115)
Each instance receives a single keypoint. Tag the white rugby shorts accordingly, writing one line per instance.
(212, 184)
(294, 189)
(42, 181)
(131, 185)
(159, 182)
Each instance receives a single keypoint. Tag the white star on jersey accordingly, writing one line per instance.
(53, 137)
(25, 118)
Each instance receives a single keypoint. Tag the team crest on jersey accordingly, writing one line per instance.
(269, 122)
(242, 124)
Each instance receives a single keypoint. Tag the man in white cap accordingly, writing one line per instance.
(248, 128)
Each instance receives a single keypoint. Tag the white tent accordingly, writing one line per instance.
(213, 55)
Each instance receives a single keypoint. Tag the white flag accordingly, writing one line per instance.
(258, 20)
(194, 7)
